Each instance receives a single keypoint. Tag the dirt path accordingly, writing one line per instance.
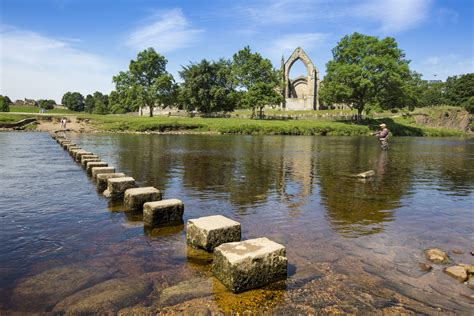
(73, 125)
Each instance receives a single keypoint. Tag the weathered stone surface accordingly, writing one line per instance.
(185, 291)
(249, 264)
(468, 267)
(163, 212)
(366, 174)
(436, 255)
(116, 187)
(103, 177)
(136, 197)
(78, 155)
(91, 156)
(106, 297)
(70, 145)
(44, 290)
(85, 161)
(73, 150)
(457, 272)
(92, 164)
(211, 231)
(97, 170)
(425, 267)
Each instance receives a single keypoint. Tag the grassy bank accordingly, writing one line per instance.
(399, 126)
(35, 109)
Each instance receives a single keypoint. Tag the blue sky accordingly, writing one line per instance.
(49, 47)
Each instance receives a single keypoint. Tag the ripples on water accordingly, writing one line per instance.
(298, 191)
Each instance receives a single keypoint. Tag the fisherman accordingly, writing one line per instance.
(382, 135)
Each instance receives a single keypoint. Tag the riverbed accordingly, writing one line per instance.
(353, 245)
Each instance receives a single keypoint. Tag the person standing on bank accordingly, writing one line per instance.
(382, 135)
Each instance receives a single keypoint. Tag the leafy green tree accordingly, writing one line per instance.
(432, 94)
(254, 74)
(89, 103)
(74, 101)
(365, 71)
(101, 103)
(260, 95)
(5, 103)
(459, 89)
(208, 87)
(469, 105)
(47, 104)
(146, 80)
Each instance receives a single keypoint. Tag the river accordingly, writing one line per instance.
(353, 245)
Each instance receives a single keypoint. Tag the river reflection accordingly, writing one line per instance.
(298, 191)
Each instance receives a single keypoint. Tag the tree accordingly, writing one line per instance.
(459, 89)
(89, 103)
(260, 95)
(432, 94)
(257, 79)
(74, 101)
(101, 103)
(146, 80)
(5, 103)
(208, 87)
(367, 71)
(47, 104)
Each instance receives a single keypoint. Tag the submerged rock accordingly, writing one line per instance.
(436, 255)
(425, 267)
(457, 272)
(185, 291)
(366, 174)
(468, 267)
(106, 297)
(44, 290)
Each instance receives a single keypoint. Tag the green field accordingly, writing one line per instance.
(35, 109)
(398, 125)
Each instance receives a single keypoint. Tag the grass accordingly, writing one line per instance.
(35, 109)
(399, 126)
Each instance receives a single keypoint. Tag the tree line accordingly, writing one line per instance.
(366, 73)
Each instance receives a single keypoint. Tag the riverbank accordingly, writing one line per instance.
(398, 125)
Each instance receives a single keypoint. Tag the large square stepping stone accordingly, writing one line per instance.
(136, 197)
(162, 213)
(93, 164)
(97, 170)
(103, 177)
(79, 154)
(116, 187)
(86, 160)
(249, 264)
(211, 231)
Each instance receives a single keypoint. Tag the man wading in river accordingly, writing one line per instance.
(382, 135)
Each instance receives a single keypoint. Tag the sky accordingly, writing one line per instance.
(49, 47)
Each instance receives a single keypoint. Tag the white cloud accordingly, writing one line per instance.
(286, 44)
(394, 15)
(37, 67)
(441, 67)
(166, 32)
(278, 11)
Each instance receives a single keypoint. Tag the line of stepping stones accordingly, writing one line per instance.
(239, 265)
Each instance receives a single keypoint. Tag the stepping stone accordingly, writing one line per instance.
(249, 264)
(86, 160)
(93, 164)
(79, 155)
(136, 197)
(162, 213)
(211, 231)
(366, 174)
(116, 187)
(67, 146)
(102, 179)
(97, 170)
(74, 150)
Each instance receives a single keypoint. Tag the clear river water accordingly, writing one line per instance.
(353, 245)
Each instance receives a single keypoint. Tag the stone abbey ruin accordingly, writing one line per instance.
(301, 93)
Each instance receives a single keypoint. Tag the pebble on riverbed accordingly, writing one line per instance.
(436, 255)
(425, 267)
(457, 272)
